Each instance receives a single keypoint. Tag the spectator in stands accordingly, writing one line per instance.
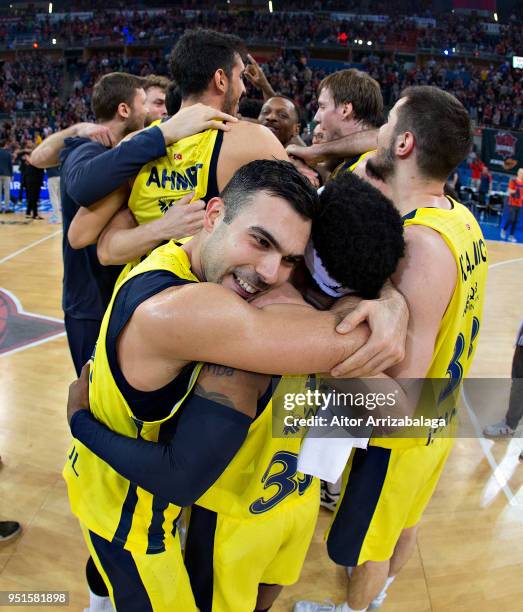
(476, 168)
(515, 201)
(6, 174)
(155, 88)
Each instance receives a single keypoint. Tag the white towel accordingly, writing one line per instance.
(327, 457)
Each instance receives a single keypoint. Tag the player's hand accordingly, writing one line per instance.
(193, 119)
(308, 172)
(78, 394)
(98, 133)
(387, 318)
(284, 294)
(310, 155)
(255, 75)
(183, 219)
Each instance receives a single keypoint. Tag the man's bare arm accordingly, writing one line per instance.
(245, 143)
(123, 240)
(426, 277)
(88, 223)
(179, 327)
(348, 146)
(47, 153)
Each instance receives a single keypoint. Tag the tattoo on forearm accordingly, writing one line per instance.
(219, 398)
(217, 370)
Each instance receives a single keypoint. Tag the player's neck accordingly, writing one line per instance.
(192, 249)
(206, 98)
(117, 129)
(409, 191)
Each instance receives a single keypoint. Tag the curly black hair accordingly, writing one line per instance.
(358, 234)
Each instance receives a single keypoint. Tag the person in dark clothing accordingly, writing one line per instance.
(508, 425)
(484, 185)
(118, 103)
(34, 177)
(6, 174)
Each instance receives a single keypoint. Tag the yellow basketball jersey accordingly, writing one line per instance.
(104, 501)
(348, 165)
(189, 165)
(458, 332)
(263, 475)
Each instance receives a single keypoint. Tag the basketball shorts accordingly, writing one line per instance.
(228, 558)
(140, 582)
(385, 490)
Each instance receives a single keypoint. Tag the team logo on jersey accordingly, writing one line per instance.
(20, 329)
(505, 144)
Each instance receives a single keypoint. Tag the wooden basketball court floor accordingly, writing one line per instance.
(469, 555)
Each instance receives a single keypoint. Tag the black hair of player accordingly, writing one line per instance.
(274, 177)
(358, 234)
(173, 99)
(250, 107)
(198, 54)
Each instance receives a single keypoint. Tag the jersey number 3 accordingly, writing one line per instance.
(286, 481)
(455, 369)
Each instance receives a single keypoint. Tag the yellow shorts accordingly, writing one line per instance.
(142, 582)
(228, 558)
(385, 490)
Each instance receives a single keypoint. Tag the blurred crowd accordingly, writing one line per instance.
(466, 33)
(38, 95)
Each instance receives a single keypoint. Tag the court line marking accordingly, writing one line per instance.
(30, 246)
(21, 310)
(501, 480)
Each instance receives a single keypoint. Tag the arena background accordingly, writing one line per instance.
(469, 555)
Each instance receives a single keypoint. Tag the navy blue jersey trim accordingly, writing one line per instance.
(212, 182)
(357, 507)
(199, 555)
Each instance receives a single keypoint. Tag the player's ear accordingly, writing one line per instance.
(346, 110)
(123, 110)
(220, 80)
(213, 213)
(405, 143)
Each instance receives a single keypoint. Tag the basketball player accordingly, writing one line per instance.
(237, 507)
(250, 241)
(282, 117)
(349, 101)
(387, 486)
(198, 167)
(155, 88)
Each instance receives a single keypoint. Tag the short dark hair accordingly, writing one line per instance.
(358, 235)
(441, 127)
(156, 80)
(111, 90)
(361, 90)
(277, 178)
(198, 54)
(173, 99)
